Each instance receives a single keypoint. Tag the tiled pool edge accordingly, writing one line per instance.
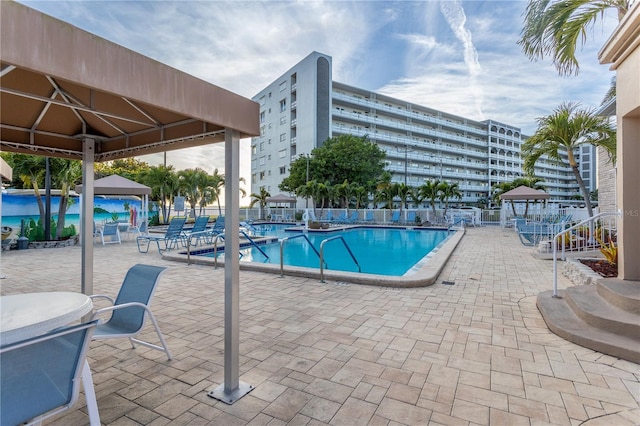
(423, 274)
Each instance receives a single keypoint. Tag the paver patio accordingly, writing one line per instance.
(473, 353)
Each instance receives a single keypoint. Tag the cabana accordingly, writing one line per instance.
(524, 193)
(71, 94)
(118, 185)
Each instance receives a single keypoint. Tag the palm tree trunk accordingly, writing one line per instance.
(583, 189)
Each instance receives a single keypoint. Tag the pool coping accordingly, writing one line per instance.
(422, 274)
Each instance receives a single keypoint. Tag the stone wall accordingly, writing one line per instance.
(606, 182)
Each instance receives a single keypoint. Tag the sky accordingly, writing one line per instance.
(460, 57)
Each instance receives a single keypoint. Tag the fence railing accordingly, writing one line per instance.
(588, 235)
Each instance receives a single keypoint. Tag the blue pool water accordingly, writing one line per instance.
(382, 251)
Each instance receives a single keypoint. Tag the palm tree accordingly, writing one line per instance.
(162, 181)
(416, 197)
(553, 27)
(305, 191)
(402, 191)
(430, 190)
(67, 174)
(448, 191)
(560, 133)
(260, 198)
(193, 182)
(31, 168)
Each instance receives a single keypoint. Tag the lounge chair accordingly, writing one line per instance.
(368, 217)
(131, 307)
(140, 229)
(218, 226)
(342, 218)
(41, 376)
(328, 217)
(110, 233)
(170, 239)
(411, 217)
(199, 231)
(354, 217)
(395, 217)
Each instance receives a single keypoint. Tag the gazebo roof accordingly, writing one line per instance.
(61, 85)
(281, 198)
(524, 193)
(117, 185)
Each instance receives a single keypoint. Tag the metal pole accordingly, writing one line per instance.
(86, 222)
(232, 389)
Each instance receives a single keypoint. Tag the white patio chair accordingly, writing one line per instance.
(40, 377)
(110, 233)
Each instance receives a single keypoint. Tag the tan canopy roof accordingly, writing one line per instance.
(117, 185)
(524, 193)
(281, 198)
(61, 84)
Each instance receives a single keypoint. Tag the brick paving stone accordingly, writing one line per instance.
(476, 352)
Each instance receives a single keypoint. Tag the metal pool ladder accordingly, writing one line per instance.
(284, 240)
(322, 262)
(221, 237)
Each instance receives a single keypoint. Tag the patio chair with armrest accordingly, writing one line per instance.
(368, 216)
(110, 233)
(411, 217)
(140, 229)
(131, 307)
(40, 376)
(170, 239)
(395, 217)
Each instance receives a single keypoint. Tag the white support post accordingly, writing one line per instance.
(232, 389)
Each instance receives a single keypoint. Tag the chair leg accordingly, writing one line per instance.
(90, 395)
(164, 346)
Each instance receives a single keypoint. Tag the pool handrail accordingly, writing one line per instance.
(282, 241)
(337, 237)
(220, 236)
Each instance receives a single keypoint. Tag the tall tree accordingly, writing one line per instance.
(261, 199)
(560, 133)
(447, 192)
(163, 182)
(430, 190)
(66, 174)
(30, 169)
(193, 182)
(340, 158)
(553, 27)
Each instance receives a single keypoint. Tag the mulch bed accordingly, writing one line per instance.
(602, 267)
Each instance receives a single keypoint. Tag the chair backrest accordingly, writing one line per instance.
(200, 224)
(110, 228)
(395, 216)
(354, 215)
(219, 224)
(329, 215)
(411, 216)
(369, 215)
(143, 227)
(43, 373)
(175, 227)
(138, 286)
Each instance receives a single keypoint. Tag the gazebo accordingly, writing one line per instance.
(118, 185)
(71, 94)
(524, 193)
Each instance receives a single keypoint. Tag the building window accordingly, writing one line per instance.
(261, 175)
(262, 100)
(282, 153)
(283, 170)
(253, 150)
(261, 162)
(283, 120)
(253, 178)
(261, 146)
(283, 137)
(262, 116)
(283, 86)
(283, 105)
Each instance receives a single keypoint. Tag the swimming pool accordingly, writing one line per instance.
(377, 250)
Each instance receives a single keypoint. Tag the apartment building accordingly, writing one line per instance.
(304, 107)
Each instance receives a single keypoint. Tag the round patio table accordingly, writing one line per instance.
(27, 315)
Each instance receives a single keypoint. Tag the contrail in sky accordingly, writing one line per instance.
(456, 18)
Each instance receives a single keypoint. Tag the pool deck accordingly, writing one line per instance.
(471, 351)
